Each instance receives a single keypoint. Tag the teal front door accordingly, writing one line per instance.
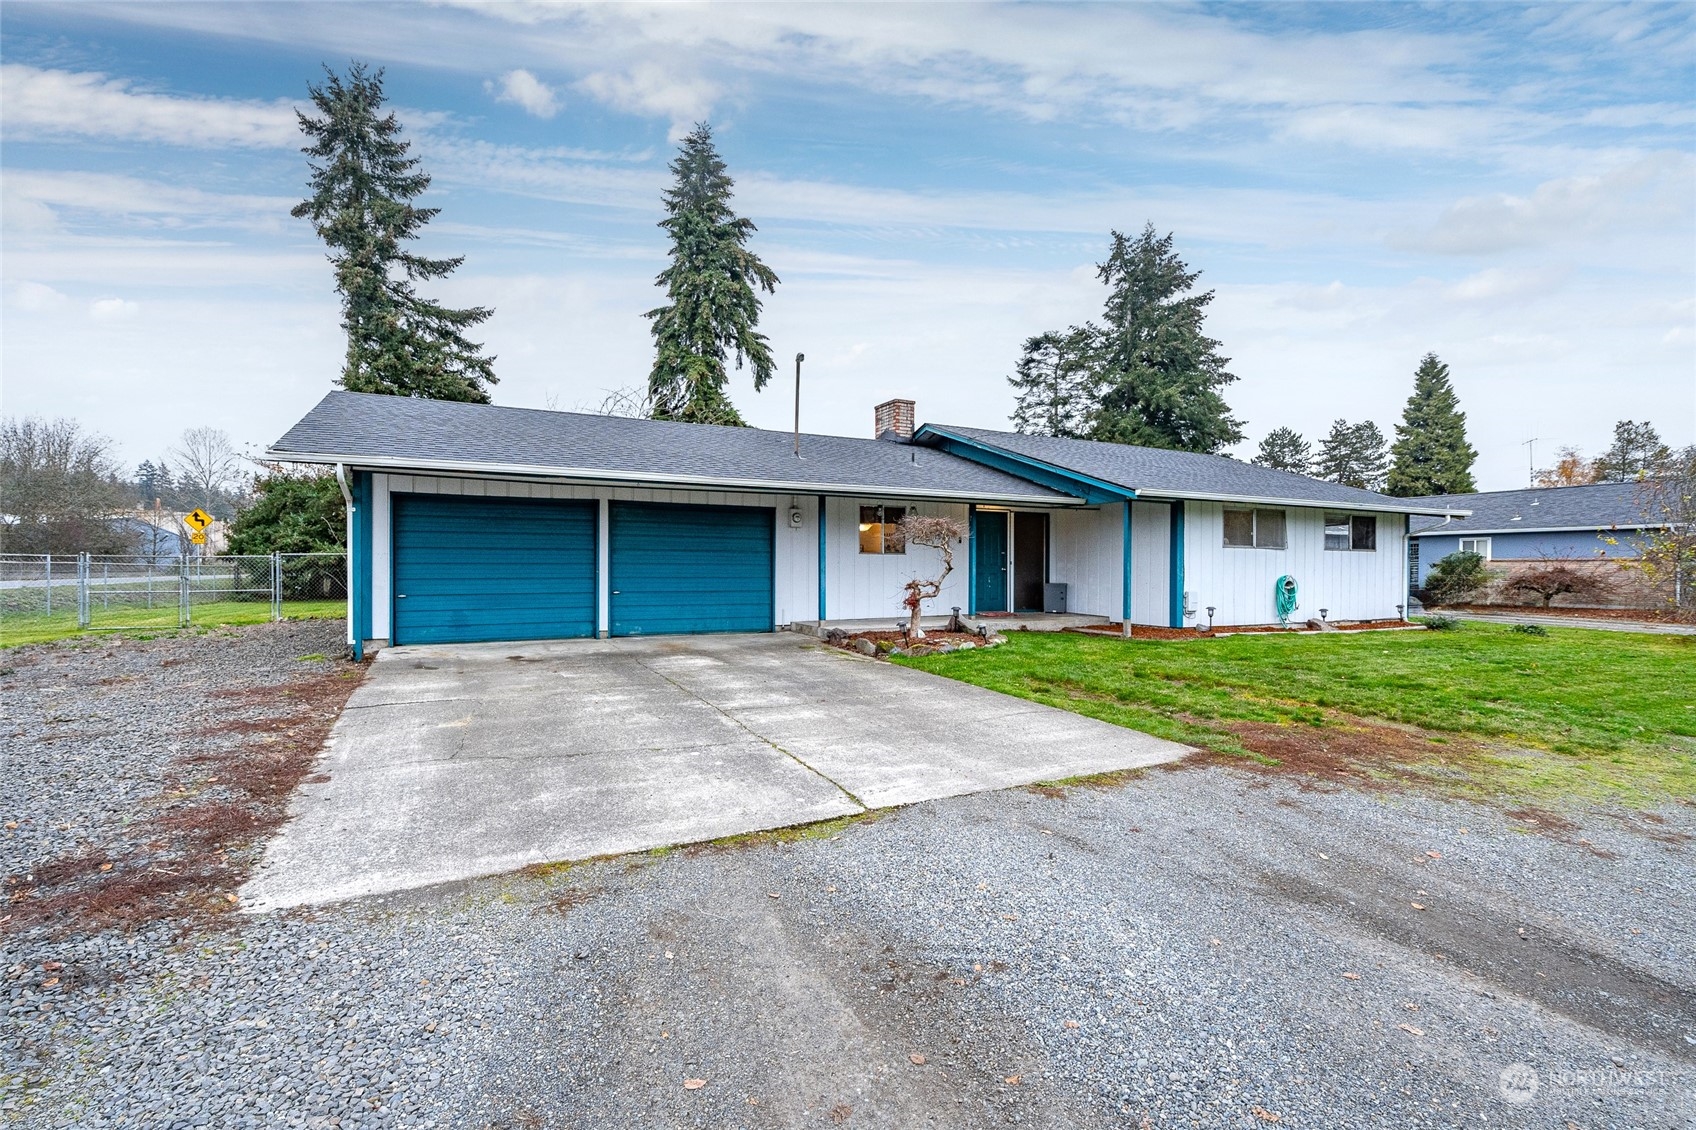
(989, 562)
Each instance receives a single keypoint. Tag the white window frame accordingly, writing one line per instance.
(1475, 542)
(891, 541)
(1347, 522)
(1256, 512)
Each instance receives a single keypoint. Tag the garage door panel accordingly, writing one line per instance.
(690, 569)
(471, 569)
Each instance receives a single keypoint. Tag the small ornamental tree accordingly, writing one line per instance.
(938, 533)
(1455, 578)
(1555, 577)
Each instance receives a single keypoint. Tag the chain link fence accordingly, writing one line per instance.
(43, 596)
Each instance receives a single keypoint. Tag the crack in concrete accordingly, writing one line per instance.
(825, 777)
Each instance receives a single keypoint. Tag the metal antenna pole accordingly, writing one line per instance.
(799, 357)
(1530, 446)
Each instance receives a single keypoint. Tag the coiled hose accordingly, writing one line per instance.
(1284, 598)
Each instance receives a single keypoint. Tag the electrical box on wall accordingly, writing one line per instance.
(1189, 604)
(795, 518)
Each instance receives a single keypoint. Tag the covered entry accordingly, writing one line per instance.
(470, 569)
(1009, 560)
(676, 568)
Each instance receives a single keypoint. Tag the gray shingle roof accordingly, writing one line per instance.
(1602, 506)
(366, 430)
(1156, 473)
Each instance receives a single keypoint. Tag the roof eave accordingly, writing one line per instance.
(1467, 531)
(1309, 503)
(591, 476)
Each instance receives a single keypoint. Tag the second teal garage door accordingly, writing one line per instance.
(469, 569)
(690, 569)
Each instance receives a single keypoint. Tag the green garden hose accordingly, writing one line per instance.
(1284, 596)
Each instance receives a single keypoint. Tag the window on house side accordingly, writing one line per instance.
(1351, 531)
(1254, 529)
(880, 529)
(1480, 546)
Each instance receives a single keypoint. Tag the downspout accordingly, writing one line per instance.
(355, 646)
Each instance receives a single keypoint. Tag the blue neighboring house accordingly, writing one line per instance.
(1508, 527)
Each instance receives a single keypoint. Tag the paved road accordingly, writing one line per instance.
(1602, 623)
(457, 761)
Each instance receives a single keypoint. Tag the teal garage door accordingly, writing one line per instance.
(470, 569)
(690, 569)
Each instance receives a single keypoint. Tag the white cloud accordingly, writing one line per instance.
(1500, 285)
(1651, 192)
(51, 103)
(113, 310)
(525, 90)
(36, 297)
(656, 90)
(31, 194)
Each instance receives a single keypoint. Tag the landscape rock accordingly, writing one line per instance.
(865, 647)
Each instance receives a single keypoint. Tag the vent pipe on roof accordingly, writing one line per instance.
(799, 357)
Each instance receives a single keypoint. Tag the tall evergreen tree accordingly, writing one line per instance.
(711, 286)
(1284, 449)
(1160, 377)
(1353, 455)
(1055, 385)
(1637, 452)
(1431, 455)
(363, 184)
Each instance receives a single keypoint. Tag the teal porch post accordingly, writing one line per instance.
(822, 545)
(1125, 618)
(971, 559)
(1175, 572)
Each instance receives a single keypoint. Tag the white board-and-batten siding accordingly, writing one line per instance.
(1239, 583)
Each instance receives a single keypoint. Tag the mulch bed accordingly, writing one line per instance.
(1147, 632)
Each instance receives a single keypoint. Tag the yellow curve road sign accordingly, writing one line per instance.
(198, 519)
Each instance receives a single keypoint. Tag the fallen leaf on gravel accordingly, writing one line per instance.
(1635, 930)
(773, 895)
(1265, 1115)
(1411, 1029)
(1013, 1080)
(830, 890)
(1070, 1024)
(1322, 855)
(52, 966)
(976, 968)
(1351, 976)
(840, 1112)
(694, 1084)
(232, 898)
(752, 1101)
(1435, 854)
(50, 982)
(1417, 905)
(10, 824)
(1214, 942)
(916, 1059)
(1011, 917)
(1045, 831)
(105, 867)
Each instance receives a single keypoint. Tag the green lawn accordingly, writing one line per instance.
(19, 628)
(1577, 714)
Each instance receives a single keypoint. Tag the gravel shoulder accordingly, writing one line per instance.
(1197, 946)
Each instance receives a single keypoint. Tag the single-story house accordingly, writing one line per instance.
(1601, 523)
(1603, 520)
(475, 522)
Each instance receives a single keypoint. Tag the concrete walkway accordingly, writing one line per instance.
(1601, 623)
(453, 762)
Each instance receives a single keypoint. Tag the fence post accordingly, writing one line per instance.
(184, 597)
(82, 590)
(276, 585)
(49, 584)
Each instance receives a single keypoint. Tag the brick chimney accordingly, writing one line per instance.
(894, 420)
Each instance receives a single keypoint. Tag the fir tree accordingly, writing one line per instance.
(1636, 453)
(712, 301)
(1055, 385)
(1431, 455)
(1158, 373)
(363, 184)
(1284, 449)
(1353, 455)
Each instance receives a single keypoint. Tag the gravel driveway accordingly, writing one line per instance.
(1201, 946)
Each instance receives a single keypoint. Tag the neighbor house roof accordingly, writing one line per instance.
(1153, 472)
(1602, 506)
(405, 434)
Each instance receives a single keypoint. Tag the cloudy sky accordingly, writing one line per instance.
(1513, 188)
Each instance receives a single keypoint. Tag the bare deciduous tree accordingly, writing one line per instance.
(59, 489)
(210, 465)
(938, 533)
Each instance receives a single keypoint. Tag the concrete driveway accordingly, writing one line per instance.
(457, 761)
